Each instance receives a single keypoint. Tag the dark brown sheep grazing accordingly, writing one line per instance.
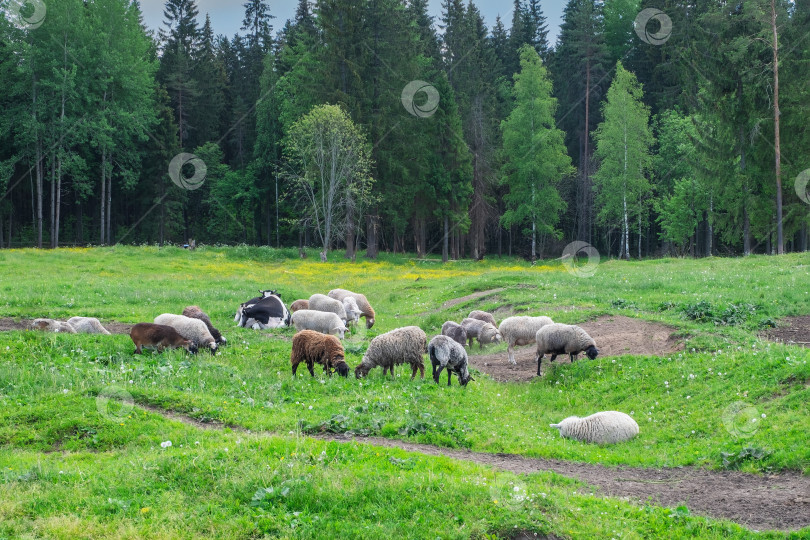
(160, 337)
(195, 312)
(309, 346)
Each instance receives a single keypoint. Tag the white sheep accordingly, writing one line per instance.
(606, 427)
(352, 310)
(321, 302)
(400, 346)
(321, 321)
(521, 330)
(51, 325)
(567, 339)
(445, 352)
(87, 325)
(365, 308)
(194, 330)
(484, 332)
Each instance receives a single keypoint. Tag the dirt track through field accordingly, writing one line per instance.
(772, 502)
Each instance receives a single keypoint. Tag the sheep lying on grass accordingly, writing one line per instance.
(299, 305)
(455, 332)
(605, 427)
(50, 325)
(159, 336)
(192, 329)
(484, 332)
(195, 312)
(320, 321)
(568, 339)
(321, 302)
(401, 346)
(446, 353)
(482, 316)
(310, 347)
(87, 325)
(522, 330)
(362, 302)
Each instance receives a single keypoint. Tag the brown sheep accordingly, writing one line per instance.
(310, 347)
(195, 312)
(160, 337)
(299, 304)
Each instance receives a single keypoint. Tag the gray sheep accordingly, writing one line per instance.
(447, 353)
(352, 310)
(521, 330)
(320, 321)
(321, 302)
(455, 332)
(482, 316)
(194, 312)
(606, 427)
(87, 325)
(191, 329)
(401, 346)
(567, 339)
(484, 332)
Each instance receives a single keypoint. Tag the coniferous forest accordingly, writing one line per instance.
(649, 128)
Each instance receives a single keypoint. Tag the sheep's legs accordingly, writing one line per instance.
(539, 362)
(572, 356)
(511, 350)
(436, 373)
(421, 368)
(449, 374)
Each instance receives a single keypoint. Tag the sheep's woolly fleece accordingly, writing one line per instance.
(400, 346)
(320, 321)
(191, 329)
(556, 337)
(362, 303)
(606, 427)
(321, 302)
(87, 325)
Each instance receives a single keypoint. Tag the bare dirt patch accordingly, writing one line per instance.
(8, 324)
(473, 296)
(614, 335)
(777, 502)
(792, 331)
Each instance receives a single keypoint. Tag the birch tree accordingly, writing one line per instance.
(328, 158)
(623, 142)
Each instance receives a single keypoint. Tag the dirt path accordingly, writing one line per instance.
(614, 335)
(791, 330)
(473, 296)
(778, 502)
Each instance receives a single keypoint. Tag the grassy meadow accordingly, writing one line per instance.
(74, 464)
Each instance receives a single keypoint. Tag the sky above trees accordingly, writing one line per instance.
(227, 15)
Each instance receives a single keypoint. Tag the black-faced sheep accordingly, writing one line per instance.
(87, 325)
(606, 427)
(320, 321)
(362, 302)
(321, 302)
(50, 325)
(194, 312)
(159, 336)
(193, 329)
(568, 339)
(310, 347)
(484, 332)
(455, 332)
(482, 316)
(521, 330)
(401, 346)
(446, 353)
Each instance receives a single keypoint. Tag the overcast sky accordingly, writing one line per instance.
(226, 15)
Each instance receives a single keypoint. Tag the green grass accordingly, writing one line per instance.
(114, 466)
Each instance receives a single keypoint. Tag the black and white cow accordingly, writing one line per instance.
(266, 311)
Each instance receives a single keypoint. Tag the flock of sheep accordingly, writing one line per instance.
(322, 321)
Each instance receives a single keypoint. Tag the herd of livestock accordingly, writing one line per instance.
(323, 320)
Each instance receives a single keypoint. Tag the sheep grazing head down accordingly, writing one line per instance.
(369, 322)
(361, 371)
(342, 368)
(592, 352)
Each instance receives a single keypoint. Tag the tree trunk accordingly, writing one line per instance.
(534, 239)
(780, 244)
(709, 228)
(626, 232)
(372, 239)
(746, 232)
(58, 202)
(109, 203)
(802, 244)
(639, 235)
(350, 248)
(53, 199)
(446, 240)
(103, 193)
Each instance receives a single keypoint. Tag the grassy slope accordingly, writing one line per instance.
(678, 401)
